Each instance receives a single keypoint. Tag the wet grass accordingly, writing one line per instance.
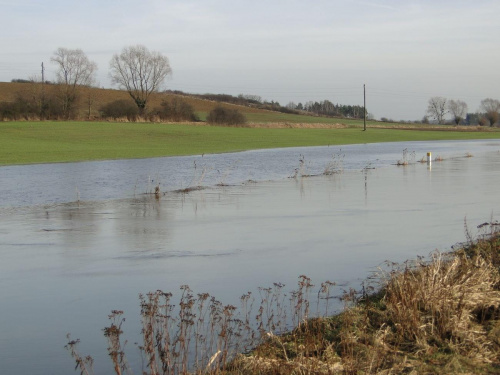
(438, 315)
(45, 142)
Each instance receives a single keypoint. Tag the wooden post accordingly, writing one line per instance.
(42, 99)
(364, 107)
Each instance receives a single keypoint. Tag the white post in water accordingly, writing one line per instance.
(429, 158)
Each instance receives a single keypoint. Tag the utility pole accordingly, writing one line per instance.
(364, 107)
(42, 104)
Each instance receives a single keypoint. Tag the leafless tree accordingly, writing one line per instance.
(140, 72)
(75, 70)
(490, 107)
(91, 96)
(437, 108)
(458, 110)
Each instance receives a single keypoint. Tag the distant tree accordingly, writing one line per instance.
(74, 71)
(309, 105)
(251, 98)
(482, 121)
(20, 80)
(458, 110)
(437, 108)
(472, 118)
(91, 95)
(140, 72)
(491, 108)
(30, 80)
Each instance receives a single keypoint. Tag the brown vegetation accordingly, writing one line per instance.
(293, 125)
(11, 91)
(225, 116)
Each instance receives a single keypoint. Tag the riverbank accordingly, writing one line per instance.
(437, 316)
(50, 142)
(429, 316)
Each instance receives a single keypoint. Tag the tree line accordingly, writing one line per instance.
(439, 108)
(140, 73)
(136, 70)
(327, 108)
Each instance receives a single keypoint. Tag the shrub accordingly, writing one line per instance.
(482, 121)
(53, 108)
(26, 108)
(120, 108)
(9, 111)
(225, 116)
(176, 110)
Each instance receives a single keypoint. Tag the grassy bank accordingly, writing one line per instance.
(45, 142)
(429, 316)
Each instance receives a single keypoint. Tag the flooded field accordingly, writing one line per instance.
(78, 240)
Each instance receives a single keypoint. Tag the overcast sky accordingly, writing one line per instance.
(404, 51)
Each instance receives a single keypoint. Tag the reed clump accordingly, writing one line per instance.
(438, 315)
(408, 158)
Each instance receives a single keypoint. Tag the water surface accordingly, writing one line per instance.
(80, 239)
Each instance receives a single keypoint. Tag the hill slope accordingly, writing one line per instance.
(9, 91)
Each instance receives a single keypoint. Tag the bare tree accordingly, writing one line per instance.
(91, 96)
(140, 72)
(458, 110)
(491, 107)
(437, 108)
(74, 71)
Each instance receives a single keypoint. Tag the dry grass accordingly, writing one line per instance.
(438, 316)
(435, 305)
(291, 125)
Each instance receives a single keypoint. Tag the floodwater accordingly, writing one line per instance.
(78, 240)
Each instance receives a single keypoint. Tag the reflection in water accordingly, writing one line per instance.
(95, 181)
(365, 172)
(64, 267)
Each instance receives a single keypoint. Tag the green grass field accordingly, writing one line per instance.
(46, 142)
